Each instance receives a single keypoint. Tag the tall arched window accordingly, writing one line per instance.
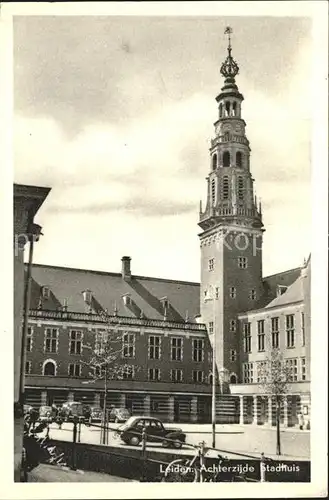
(238, 159)
(226, 159)
(213, 192)
(227, 108)
(233, 379)
(225, 187)
(220, 110)
(240, 188)
(234, 109)
(49, 367)
(214, 162)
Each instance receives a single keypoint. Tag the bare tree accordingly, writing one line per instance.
(275, 374)
(107, 361)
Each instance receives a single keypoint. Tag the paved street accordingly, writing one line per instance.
(229, 438)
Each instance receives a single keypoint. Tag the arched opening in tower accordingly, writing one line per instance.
(226, 159)
(214, 162)
(227, 108)
(238, 159)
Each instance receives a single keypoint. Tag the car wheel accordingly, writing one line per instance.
(177, 444)
(134, 440)
(165, 443)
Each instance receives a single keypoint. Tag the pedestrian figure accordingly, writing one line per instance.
(301, 421)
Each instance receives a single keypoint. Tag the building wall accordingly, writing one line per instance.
(298, 351)
(141, 360)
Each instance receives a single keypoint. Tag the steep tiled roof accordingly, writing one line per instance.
(294, 293)
(270, 283)
(108, 290)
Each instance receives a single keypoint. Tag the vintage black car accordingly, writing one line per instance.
(156, 432)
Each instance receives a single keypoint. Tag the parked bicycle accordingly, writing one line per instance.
(37, 449)
(195, 470)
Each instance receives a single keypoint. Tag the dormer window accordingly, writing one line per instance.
(87, 296)
(280, 290)
(45, 292)
(126, 299)
(165, 302)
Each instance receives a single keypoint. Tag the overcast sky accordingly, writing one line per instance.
(116, 114)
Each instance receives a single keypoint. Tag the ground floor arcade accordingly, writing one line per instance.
(182, 407)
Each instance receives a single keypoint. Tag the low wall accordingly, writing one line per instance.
(130, 464)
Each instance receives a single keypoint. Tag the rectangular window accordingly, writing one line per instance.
(248, 373)
(233, 355)
(198, 350)
(128, 373)
(198, 376)
(303, 328)
(261, 335)
(176, 375)
(154, 348)
(303, 368)
(252, 294)
(51, 340)
(247, 337)
(28, 366)
(211, 264)
(74, 370)
(261, 372)
(232, 325)
(128, 345)
(176, 349)
(275, 332)
(217, 292)
(29, 339)
(292, 367)
(211, 327)
(242, 262)
(233, 292)
(154, 374)
(75, 345)
(290, 330)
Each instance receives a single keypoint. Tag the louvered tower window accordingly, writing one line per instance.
(225, 188)
(213, 192)
(240, 188)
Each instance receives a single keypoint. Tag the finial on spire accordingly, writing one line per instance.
(229, 68)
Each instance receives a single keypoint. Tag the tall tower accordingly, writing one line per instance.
(231, 238)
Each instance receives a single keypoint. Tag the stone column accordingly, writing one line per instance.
(269, 411)
(194, 409)
(171, 402)
(285, 411)
(43, 398)
(147, 405)
(97, 399)
(122, 401)
(255, 410)
(70, 396)
(241, 420)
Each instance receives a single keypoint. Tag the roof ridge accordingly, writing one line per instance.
(282, 272)
(108, 273)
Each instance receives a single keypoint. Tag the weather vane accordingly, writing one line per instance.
(229, 68)
(228, 31)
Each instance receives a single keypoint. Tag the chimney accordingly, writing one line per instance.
(126, 271)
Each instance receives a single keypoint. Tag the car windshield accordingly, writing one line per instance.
(128, 423)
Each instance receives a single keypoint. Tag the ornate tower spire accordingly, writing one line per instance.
(229, 68)
(231, 223)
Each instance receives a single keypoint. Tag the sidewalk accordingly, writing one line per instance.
(53, 474)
